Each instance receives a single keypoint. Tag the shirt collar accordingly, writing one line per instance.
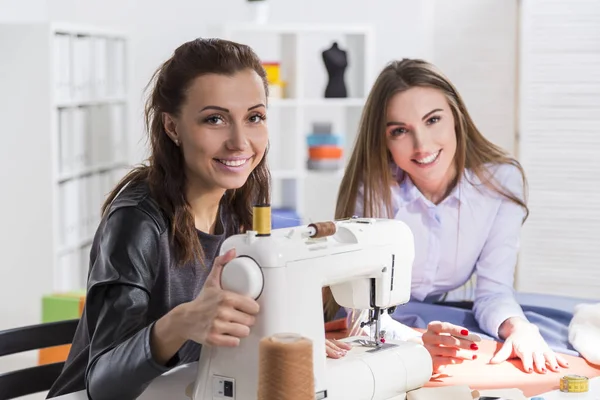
(407, 192)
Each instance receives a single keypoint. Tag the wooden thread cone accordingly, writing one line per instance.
(323, 229)
(286, 368)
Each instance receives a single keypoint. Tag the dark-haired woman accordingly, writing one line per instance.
(153, 294)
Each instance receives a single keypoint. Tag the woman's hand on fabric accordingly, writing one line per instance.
(524, 341)
(446, 349)
(218, 317)
(336, 348)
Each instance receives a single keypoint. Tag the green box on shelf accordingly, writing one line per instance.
(62, 306)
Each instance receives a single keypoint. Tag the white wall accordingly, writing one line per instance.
(23, 10)
(475, 45)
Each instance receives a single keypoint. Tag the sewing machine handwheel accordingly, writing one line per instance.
(243, 275)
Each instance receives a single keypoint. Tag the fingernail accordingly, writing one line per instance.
(474, 356)
(464, 332)
(474, 346)
(340, 353)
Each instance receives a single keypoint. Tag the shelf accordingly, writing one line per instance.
(324, 102)
(315, 173)
(94, 169)
(349, 102)
(298, 28)
(79, 93)
(68, 28)
(286, 174)
(91, 102)
(74, 247)
(275, 102)
(283, 174)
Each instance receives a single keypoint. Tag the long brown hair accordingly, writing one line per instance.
(164, 171)
(370, 163)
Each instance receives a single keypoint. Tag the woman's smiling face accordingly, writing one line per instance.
(420, 135)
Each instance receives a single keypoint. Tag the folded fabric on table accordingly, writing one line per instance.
(584, 331)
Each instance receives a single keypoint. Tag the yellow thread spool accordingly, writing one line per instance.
(574, 384)
(261, 219)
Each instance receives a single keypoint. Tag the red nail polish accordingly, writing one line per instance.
(382, 340)
(474, 356)
(464, 332)
(474, 346)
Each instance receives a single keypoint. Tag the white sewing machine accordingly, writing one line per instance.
(366, 262)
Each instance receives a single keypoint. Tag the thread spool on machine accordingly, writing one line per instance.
(261, 224)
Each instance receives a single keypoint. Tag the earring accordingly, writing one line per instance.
(177, 142)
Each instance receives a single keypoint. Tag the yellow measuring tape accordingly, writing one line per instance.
(574, 384)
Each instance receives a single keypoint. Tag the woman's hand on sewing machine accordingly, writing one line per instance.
(218, 317)
(446, 349)
(524, 341)
(336, 349)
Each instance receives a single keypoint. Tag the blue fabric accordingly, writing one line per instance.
(552, 314)
(284, 218)
(553, 323)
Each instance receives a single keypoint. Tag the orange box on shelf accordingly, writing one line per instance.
(59, 307)
(324, 152)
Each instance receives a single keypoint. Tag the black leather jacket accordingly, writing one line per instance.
(132, 282)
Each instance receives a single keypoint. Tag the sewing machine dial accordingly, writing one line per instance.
(243, 275)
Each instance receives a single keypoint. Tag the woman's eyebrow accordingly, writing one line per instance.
(431, 112)
(215, 108)
(391, 123)
(257, 106)
(226, 110)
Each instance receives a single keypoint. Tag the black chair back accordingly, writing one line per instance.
(39, 378)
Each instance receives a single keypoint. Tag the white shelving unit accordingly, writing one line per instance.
(298, 49)
(64, 96)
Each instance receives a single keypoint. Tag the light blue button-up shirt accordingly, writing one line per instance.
(473, 230)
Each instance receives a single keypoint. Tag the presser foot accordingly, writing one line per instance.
(374, 345)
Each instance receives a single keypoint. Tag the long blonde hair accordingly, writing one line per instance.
(369, 164)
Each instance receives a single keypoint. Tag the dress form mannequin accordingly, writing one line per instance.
(336, 61)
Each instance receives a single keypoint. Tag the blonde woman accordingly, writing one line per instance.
(420, 158)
